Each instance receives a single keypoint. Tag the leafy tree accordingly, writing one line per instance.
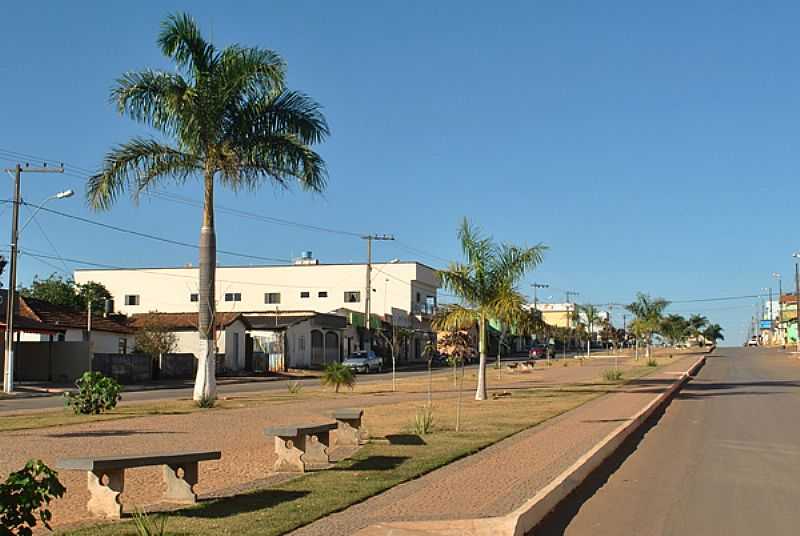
(338, 376)
(459, 346)
(26, 493)
(65, 292)
(232, 121)
(713, 333)
(429, 352)
(648, 312)
(154, 338)
(486, 286)
(396, 340)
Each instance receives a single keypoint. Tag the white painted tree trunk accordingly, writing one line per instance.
(480, 392)
(205, 383)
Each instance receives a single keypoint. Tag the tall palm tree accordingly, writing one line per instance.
(697, 324)
(675, 328)
(713, 333)
(232, 122)
(486, 285)
(590, 315)
(648, 312)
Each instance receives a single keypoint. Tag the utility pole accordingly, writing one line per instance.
(8, 371)
(535, 287)
(568, 293)
(368, 298)
(777, 276)
(797, 301)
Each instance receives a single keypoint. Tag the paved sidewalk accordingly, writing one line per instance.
(502, 477)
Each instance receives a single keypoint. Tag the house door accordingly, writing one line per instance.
(248, 352)
(317, 348)
(331, 347)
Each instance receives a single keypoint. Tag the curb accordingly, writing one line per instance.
(529, 515)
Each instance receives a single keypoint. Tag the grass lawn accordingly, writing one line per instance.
(394, 455)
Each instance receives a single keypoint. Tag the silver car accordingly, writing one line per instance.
(364, 362)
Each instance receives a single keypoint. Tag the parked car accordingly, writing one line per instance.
(753, 342)
(364, 362)
(537, 352)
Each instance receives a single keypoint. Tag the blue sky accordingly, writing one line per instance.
(652, 148)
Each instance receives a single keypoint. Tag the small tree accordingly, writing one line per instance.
(96, 393)
(429, 352)
(66, 293)
(648, 312)
(154, 339)
(713, 333)
(338, 375)
(25, 495)
(460, 347)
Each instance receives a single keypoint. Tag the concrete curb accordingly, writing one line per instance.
(529, 515)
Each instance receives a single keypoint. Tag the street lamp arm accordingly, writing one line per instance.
(60, 195)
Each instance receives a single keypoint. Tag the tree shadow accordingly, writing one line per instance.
(404, 439)
(239, 504)
(377, 463)
(108, 433)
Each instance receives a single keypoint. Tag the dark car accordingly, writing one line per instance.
(537, 352)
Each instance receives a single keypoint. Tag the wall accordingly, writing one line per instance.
(169, 289)
(234, 359)
(61, 362)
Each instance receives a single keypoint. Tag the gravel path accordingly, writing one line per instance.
(502, 477)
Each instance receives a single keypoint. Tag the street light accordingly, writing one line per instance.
(8, 372)
(777, 276)
(796, 255)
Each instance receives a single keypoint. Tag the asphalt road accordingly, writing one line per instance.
(723, 459)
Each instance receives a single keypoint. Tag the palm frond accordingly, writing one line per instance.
(289, 112)
(135, 166)
(180, 39)
(454, 317)
(249, 73)
(477, 249)
(458, 279)
(157, 99)
(511, 262)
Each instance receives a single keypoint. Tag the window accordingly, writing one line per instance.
(194, 296)
(272, 297)
(418, 297)
(233, 296)
(131, 299)
(352, 296)
(305, 294)
(322, 294)
(123, 346)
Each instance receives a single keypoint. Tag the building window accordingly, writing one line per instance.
(233, 296)
(131, 299)
(418, 297)
(305, 294)
(272, 297)
(123, 346)
(194, 296)
(352, 296)
(322, 294)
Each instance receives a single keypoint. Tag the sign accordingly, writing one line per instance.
(766, 324)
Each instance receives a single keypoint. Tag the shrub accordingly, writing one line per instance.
(612, 375)
(338, 375)
(294, 387)
(206, 402)
(96, 393)
(149, 526)
(26, 494)
(652, 362)
(423, 421)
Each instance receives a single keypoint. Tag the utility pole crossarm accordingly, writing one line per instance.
(368, 298)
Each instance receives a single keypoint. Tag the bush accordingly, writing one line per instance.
(652, 362)
(206, 402)
(338, 375)
(423, 421)
(96, 393)
(25, 494)
(294, 387)
(612, 375)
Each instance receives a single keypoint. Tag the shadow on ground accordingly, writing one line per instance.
(248, 502)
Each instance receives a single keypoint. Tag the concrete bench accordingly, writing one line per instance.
(349, 429)
(106, 477)
(301, 448)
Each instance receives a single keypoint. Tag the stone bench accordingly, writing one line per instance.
(349, 430)
(106, 477)
(301, 448)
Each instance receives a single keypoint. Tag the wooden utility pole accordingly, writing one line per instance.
(8, 369)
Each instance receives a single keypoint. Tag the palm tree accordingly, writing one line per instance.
(486, 286)
(591, 316)
(713, 333)
(648, 312)
(232, 122)
(675, 328)
(696, 325)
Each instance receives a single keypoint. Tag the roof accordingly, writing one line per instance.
(254, 266)
(268, 322)
(66, 318)
(182, 321)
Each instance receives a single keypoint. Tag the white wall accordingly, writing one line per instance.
(168, 289)
(103, 342)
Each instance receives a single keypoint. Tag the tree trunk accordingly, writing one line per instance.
(458, 404)
(480, 392)
(430, 382)
(205, 385)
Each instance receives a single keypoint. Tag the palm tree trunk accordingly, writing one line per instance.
(480, 392)
(205, 385)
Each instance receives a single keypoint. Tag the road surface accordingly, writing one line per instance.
(724, 459)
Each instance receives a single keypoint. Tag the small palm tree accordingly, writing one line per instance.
(648, 312)
(590, 315)
(697, 323)
(338, 376)
(713, 333)
(232, 122)
(486, 286)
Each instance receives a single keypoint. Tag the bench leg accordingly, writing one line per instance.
(347, 433)
(180, 488)
(104, 498)
(288, 457)
(315, 456)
